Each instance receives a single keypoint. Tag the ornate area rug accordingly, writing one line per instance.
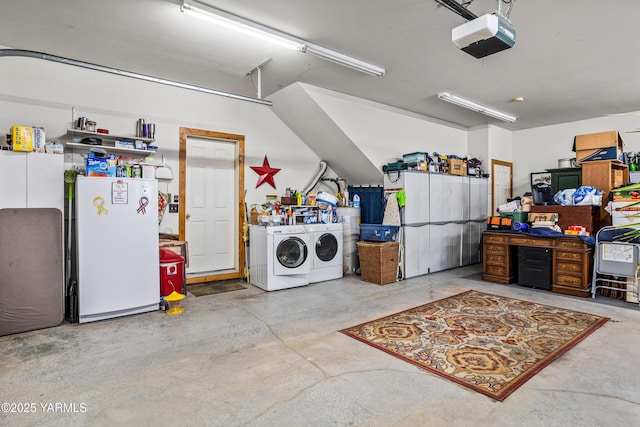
(489, 343)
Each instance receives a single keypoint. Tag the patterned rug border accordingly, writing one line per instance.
(513, 385)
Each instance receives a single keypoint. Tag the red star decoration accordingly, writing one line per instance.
(266, 173)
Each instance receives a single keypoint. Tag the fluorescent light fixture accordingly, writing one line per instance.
(227, 20)
(342, 59)
(245, 26)
(454, 99)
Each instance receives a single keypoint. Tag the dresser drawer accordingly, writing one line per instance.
(576, 244)
(574, 256)
(568, 268)
(495, 259)
(527, 241)
(495, 249)
(567, 280)
(494, 238)
(494, 269)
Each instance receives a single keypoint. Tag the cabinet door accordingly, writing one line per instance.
(45, 181)
(445, 246)
(478, 198)
(416, 186)
(563, 180)
(416, 251)
(471, 242)
(440, 198)
(13, 176)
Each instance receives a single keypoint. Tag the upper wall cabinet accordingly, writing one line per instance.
(32, 180)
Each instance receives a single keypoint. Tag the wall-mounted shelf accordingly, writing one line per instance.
(108, 148)
(108, 142)
(87, 134)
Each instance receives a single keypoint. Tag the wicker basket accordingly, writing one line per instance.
(378, 261)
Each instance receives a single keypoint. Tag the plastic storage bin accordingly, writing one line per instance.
(515, 217)
(171, 272)
(378, 232)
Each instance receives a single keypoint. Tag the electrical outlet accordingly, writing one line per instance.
(173, 208)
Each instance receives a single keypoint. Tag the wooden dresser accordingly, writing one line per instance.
(572, 260)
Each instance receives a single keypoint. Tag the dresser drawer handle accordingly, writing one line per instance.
(570, 267)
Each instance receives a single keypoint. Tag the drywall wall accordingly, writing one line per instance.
(295, 107)
(537, 149)
(383, 133)
(39, 93)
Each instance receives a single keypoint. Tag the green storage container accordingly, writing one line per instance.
(516, 217)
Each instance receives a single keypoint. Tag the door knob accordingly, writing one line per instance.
(188, 216)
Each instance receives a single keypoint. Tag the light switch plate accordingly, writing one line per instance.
(173, 208)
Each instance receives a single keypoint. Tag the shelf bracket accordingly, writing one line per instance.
(258, 71)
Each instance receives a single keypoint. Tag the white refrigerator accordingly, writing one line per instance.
(118, 268)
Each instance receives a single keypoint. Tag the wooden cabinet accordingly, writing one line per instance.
(572, 264)
(498, 259)
(571, 258)
(564, 178)
(586, 216)
(604, 175)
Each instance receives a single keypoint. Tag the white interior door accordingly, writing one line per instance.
(211, 205)
(502, 179)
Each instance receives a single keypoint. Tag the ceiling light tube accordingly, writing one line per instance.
(345, 60)
(227, 20)
(474, 106)
(245, 26)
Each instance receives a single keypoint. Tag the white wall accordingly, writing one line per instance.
(384, 133)
(537, 149)
(38, 93)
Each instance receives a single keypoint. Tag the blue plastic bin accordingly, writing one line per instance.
(378, 232)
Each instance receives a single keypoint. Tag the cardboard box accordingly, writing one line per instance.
(22, 138)
(629, 193)
(288, 200)
(179, 247)
(457, 167)
(599, 146)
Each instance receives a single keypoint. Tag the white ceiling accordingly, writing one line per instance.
(572, 60)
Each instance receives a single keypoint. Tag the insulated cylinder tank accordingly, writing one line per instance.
(350, 219)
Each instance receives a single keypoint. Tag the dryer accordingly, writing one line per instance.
(280, 256)
(327, 251)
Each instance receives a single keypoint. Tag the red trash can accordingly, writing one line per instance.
(171, 272)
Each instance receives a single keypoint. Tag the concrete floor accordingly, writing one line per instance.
(253, 358)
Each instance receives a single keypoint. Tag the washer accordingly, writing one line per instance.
(327, 258)
(280, 256)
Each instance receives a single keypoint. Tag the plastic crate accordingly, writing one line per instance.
(378, 232)
(413, 158)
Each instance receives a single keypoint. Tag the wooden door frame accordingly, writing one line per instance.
(493, 175)
(239, 140)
